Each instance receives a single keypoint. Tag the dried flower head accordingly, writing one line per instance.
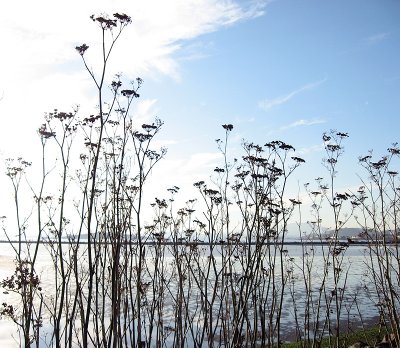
(122, 18)
(82, 49)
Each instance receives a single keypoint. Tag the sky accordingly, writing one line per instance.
(277, 70)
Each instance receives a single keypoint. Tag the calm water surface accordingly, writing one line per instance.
(359, 295)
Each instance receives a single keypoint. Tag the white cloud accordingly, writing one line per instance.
(144, 111)
(183, 172)
(267, 104)
(34, 37)
(41, 70)
(303, 122)
(202, 162)
(186, 171)
(376, 38)
(310, 149)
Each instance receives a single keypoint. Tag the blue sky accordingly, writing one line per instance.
(296, 71)
(283, 69)
(300, 69)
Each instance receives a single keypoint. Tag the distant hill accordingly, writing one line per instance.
(307, 232)
(346, 232)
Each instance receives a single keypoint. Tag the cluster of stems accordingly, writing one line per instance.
(215, 273)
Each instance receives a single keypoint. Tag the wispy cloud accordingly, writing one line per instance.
(41, 47)
(376, 38)
(144, 111)
(187, 170)
(303, 122)
(310, 149)
(158, 31)
(162, 34)
(267, 104)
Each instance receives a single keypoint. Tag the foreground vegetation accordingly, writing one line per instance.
(114, 290)
(370, 336)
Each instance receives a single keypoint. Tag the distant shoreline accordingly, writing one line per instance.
(192, 243)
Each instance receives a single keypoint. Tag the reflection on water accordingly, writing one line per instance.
(359, 295)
